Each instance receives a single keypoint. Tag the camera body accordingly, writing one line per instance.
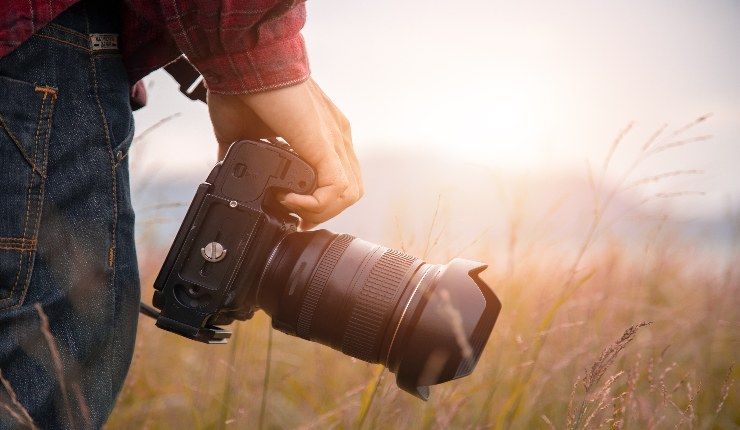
(217, 261)
(238, 250)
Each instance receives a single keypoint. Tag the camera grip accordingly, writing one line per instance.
(252, 167)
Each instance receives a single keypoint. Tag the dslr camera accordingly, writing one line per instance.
(238, 250)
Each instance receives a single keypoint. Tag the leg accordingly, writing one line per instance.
(69, 287)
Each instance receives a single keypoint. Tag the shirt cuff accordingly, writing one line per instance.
(263, 68)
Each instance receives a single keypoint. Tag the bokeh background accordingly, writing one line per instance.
(588, 151)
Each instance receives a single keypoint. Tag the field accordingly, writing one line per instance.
(606, 331)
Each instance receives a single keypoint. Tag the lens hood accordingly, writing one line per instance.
(450, 317)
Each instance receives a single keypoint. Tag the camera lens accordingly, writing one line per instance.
(427, 323)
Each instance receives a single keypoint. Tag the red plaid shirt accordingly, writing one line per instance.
(240, 47)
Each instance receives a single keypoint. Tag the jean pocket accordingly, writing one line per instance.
(122, 146)
(25, 126)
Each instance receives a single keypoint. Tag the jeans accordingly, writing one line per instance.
(69, 283)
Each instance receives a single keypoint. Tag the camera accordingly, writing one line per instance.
(238, 250)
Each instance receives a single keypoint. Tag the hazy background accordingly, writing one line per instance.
(523, 88)
(482, 128)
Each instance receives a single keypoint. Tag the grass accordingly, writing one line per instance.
(612, 333)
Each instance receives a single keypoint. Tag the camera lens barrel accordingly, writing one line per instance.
(427, 323)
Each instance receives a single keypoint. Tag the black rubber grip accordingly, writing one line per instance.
(374, 305)
(318, 281)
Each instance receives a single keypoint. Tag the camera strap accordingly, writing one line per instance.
(191, 82)
(148, 310)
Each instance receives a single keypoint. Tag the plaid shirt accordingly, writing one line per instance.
(239, 47)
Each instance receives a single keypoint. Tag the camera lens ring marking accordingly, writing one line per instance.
(318, 281)
(405, 309)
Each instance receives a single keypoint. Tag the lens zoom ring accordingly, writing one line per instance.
(374, 304)
(318, 281)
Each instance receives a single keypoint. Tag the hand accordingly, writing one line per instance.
(305, 117)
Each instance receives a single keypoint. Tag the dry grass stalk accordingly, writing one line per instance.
(56, 360)
(18, 411)
(679, 194)
(547, 421)
(692, 124)
(443, 420)
(230, 370)
(13, 414)
(624, 400)
(678, 143)
(342, 404)
(652, 365)
(607, 357)
(661, 382)
(457, 325)
(82, 403)
(654, 137)
(595, 373)
(687, 413)
(615, 144)
(619, 408)
(369, 394)
(666, 175)
(726, 386)
(517, 383)
(142, 137)
(266, 379)
(571, 414)
(602, 395)
(428, 243)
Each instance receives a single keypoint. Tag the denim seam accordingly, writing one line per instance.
(128, 137)
(23, 244)
(44, 36)
(114, 191)
(29, 195)
(47, 138)
(19, 249)
(12, 239)
(40, 188)
(38, 131)
(17, 143)
(25, 220)
(111, 251)
(17, 244)
(67, 30)
(25, 229)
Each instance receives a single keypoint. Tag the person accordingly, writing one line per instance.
(69, 76)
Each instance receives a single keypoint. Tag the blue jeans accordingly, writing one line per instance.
(69, 283)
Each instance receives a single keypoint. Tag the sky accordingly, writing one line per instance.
(524, 88)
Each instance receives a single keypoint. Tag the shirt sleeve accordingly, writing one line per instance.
(241, 47)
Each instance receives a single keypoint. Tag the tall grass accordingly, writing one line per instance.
(617, 333)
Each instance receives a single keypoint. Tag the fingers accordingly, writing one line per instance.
(347, 150)
(331, 197)
(320, 134)
(341, 136)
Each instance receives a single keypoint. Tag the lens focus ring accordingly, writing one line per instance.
(318, 281)
(374, 304)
